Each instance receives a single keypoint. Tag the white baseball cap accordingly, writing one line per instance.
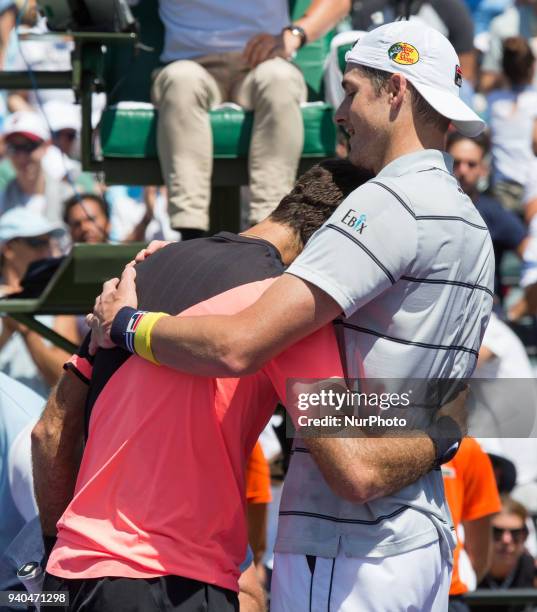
(19, 222)
(27, 124)
(428, 61)
(62, 115)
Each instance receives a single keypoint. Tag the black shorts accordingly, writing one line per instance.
(170, 593)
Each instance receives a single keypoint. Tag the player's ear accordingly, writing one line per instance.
(397, 88)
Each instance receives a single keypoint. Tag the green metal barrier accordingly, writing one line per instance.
(73, 287)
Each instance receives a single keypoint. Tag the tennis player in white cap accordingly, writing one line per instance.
(408, 261)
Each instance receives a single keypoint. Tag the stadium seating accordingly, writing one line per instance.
(128, 151)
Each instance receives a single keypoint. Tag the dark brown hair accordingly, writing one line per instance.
(517, 61)
(420, 107)
(317, 193)
(482, 141)
(79, 197)
(511, 506)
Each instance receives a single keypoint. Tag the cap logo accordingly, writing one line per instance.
(404, 53)
(458, 76)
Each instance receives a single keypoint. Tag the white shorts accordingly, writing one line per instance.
(416, 581)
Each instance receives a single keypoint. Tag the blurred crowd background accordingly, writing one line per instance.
(48, 202)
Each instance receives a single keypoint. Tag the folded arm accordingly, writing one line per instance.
(222, 345)
(57, 444)
(363, 469)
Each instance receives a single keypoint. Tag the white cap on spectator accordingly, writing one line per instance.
(19, 222)
(26, 124)
(62, 115)
(428, 61)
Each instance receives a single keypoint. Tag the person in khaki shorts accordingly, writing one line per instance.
(216, 51)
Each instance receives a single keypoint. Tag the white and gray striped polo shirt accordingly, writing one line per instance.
(410, 261)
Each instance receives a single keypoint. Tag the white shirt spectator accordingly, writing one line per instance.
(193, 29)
(510, 361)
(514, 21)
(511, 118)
(126, 213)
(52, 55)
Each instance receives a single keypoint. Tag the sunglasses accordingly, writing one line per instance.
(517, 535)
(69, 135)
(470, 164)
(23, 147)
(35, 242)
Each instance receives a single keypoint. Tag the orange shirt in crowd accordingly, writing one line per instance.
(258, 477)
(471, 493)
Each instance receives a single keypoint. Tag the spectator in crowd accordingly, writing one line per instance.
(64, 121)
(511, 567)
(8, 16)
(507, 231)
(484, 11)
(27, 139)
(512, 114)
(239, 52)
(61, 159)
(451, 17)
(20, 408)
(37, 54)
(138, 215)
(88, 218)
(518, 19)
(258, 497)
(25, 237)
(473, 498)
(511, 402)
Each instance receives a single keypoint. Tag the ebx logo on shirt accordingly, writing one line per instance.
(355, 220)
(404, 53)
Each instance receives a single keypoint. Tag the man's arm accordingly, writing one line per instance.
(223, 345)
(48, 359)
(251, 595)
(321, 16)
(239, 344)
(57, 443)
(363, 469)
(478, 544)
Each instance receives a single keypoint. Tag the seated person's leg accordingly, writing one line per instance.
(184, 92)
(274, 91)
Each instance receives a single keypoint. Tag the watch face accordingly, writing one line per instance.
(451, 452)
(28, 570)
(297, 31)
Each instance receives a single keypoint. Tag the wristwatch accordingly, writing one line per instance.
(446, 437)
(296, 30)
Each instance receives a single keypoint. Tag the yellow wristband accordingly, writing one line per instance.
(142, 336)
